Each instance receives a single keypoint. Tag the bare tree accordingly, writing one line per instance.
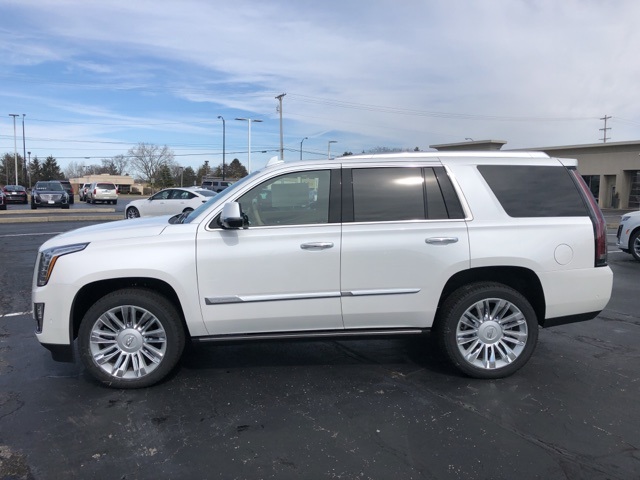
(147, 159)
(120, 164)
(74, 170)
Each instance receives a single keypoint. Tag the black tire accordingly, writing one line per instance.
(132, 212)
(65, 207)
(634, 245)
(147, 326)
(33, 206)
(471, 327)
(3, 207)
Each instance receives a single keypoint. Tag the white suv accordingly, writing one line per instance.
(629, 234)
(482, 249)
(105, 192)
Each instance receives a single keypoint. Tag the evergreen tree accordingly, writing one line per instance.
(51, 170)
(235, 170)
(189, 177)
(35, 170)
(164, 178)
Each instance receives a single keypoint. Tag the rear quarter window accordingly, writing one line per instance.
(534, 191)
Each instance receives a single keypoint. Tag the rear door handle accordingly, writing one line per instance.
(316, 245)
(441, 240)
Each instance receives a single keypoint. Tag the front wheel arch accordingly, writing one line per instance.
(131, 338)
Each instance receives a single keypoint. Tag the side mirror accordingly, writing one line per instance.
(232, 215)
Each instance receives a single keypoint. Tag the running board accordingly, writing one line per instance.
(311, 335)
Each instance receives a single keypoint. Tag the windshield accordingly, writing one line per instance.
(220, 196)
(52, 186)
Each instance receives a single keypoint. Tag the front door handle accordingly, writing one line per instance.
(316, 245)
(441, 240)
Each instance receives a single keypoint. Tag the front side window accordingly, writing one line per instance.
(162, 195)
(298, 198)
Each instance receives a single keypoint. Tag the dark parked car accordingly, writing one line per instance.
(3, 201)
(66, 184)
(15, 194)
(49, 194)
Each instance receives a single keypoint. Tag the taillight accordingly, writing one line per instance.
(597, 218)
(95, 190)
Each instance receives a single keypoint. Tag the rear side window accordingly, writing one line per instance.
(534, 191)
(390, 194)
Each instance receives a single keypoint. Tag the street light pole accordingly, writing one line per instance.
(329, 148)
(224, 148)
(24, 150)
(29, 169)
(15, 145)
(305, 138)
(249, 120)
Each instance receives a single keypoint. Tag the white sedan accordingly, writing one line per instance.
(170, 201)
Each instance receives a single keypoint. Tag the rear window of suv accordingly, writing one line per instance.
(534, 191)
(107, 186)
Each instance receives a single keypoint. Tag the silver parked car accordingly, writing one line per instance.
(105, 192)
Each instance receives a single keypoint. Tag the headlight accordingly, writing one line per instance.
(49, 257)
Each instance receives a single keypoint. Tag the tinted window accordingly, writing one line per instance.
(106, 186)
(388, 194)
(293, 199)
(534, 191)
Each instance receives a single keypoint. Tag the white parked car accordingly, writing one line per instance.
(481, 249)
(169, 201)
(629, 234)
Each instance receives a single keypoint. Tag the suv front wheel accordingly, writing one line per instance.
(487, 329)
(131, 338)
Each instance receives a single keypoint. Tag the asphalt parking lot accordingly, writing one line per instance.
(382, 409)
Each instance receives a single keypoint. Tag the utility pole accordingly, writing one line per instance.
(604, 135)
(15, 145)
(279, 98)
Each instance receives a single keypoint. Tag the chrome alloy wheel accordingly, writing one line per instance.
(128, 342)
(132, 212)
(491, 333)
(635, 246)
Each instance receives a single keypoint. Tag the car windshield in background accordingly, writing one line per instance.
(205, 192)
(51, 186)
(14, 188)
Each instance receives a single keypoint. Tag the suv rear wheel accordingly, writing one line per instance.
(131, 338)
(487, 330)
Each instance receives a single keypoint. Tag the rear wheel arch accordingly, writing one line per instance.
(521, 279)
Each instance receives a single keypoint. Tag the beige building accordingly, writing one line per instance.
(612, 169)
(123, 182)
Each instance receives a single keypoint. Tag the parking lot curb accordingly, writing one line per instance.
(63, 218)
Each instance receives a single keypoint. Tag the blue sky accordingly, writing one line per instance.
(96, 78)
